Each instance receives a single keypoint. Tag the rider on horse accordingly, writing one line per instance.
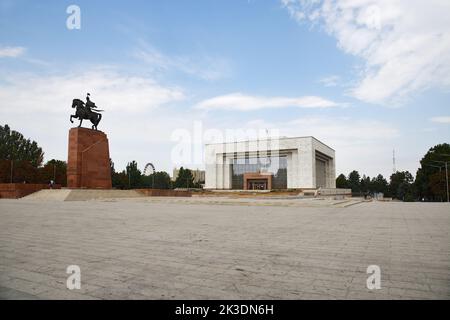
(86, 110)
(89, 103)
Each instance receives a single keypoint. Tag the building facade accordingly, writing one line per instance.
(282, 163)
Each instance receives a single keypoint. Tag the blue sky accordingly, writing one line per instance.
(362, 76)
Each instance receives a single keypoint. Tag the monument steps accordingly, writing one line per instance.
(49, 194)
(81, 194)
(96, 194)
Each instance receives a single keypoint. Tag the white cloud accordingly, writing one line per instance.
(440, 119)
(242, 102)
(330, 81)
(11, 52)
(340, 130)
(205, 67)
(109, 89)
(405, 44)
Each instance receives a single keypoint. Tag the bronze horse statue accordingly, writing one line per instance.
(83, 111)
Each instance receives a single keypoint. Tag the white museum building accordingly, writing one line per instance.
(277, 163)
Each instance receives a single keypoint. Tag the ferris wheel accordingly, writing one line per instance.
(149, 169)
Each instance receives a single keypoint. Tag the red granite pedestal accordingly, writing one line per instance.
(88, 160)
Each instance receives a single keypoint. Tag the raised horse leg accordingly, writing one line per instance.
(93, 121)
(96, 120)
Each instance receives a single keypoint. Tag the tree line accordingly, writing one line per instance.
(21, 160)
(430, 183)
(133, 178)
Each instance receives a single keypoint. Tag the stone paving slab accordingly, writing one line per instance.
(256, 201)
(165, 249)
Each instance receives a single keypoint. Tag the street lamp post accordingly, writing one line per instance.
(12, 164)
(446, 171)
(446, 176)
(440, 175)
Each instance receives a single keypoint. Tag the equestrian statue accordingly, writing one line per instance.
(88, 111)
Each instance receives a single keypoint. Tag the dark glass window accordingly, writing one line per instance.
(275, 165)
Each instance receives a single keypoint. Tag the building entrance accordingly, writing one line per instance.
(257, 181)
(257, 184)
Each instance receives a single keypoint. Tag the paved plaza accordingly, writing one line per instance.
(190, 249)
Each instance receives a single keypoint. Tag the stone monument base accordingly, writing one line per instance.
(88, 163)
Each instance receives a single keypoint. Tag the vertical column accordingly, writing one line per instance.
(293, 172)
(210, 167)
(331, 173)
(227, 173)
(306, 163)
(219, 171)
(289, 171)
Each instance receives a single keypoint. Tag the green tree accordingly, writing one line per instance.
(430, 181)
(341, 181)
(23, 171)
(119, 180)
(379, 184)
(5, 171)
(365, 184)
(159, 180)
(134, 175)
(13, 146)
(55, 170)
(354, 181)
(401, 185)
(185, 179)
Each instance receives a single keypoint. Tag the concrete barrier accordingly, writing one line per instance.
(164, 193)
(334, 192)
